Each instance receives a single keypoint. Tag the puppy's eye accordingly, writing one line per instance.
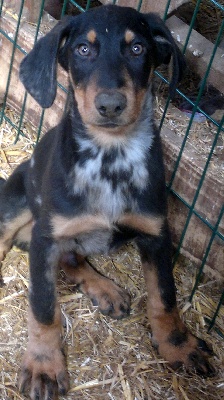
(137, 49)
(83, 50)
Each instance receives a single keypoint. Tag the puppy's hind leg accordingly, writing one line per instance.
(2, 182)
(14, 210)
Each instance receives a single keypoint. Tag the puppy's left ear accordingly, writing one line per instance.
(38, 70)
(165, 48)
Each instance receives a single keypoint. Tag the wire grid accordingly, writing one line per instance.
(215, 232)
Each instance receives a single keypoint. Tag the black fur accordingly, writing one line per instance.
(42, 60)
(50, 183)
(177, 338)
(96, 180)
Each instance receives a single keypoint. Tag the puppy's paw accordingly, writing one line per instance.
(110, 299)
(182, 349)
(103, 292)
(43, 374)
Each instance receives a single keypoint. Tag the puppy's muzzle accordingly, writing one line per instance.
(110, 105)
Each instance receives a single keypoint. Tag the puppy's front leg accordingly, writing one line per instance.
(172, 338)
(43, 372)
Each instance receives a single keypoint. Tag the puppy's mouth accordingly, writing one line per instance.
(111, 125)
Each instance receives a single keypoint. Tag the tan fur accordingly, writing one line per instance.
(24, 234)
(39, 332)
(102, 290)
(129, 36)
(12, 229)
(91, 36)
(85, 98)
(43, 354)
(110, 137)
(148, 224)
(163, 323)
(155, 304)
(63, 227)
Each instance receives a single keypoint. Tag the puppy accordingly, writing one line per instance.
(94, 182)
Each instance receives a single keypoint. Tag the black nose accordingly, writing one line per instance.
(110, 104)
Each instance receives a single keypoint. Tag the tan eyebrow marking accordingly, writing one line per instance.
(91, 36)
(129, 36)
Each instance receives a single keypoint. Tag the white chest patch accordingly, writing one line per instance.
(109, 178)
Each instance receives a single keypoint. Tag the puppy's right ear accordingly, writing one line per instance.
(165, 49)
(38, 70)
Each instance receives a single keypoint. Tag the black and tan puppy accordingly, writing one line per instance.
(95, 181)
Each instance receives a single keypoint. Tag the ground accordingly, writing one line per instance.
(110, 360)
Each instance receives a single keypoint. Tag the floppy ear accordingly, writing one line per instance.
(166, 48)
(38, 70)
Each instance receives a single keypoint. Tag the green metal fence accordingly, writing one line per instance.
(218, 126)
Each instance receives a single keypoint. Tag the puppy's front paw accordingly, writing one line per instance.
(181, 348)
(43, 374)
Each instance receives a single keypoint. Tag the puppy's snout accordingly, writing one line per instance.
(110, 105)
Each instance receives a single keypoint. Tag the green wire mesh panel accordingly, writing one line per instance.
(219, 126)
(193, 106)
(14, 47)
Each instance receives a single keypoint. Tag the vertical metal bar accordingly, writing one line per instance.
(191, 25)
(139, 5)
(40, 125)
(221, 301)
(1, 5)
(197, 280)
(64, 7)
(166, 9)
(88, 5)
(184, 48)
(39, 21)
(21, 117)
(164, 112)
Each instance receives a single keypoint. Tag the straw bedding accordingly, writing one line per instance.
(107, 359)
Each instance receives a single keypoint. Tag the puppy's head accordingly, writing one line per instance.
(109, 53)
